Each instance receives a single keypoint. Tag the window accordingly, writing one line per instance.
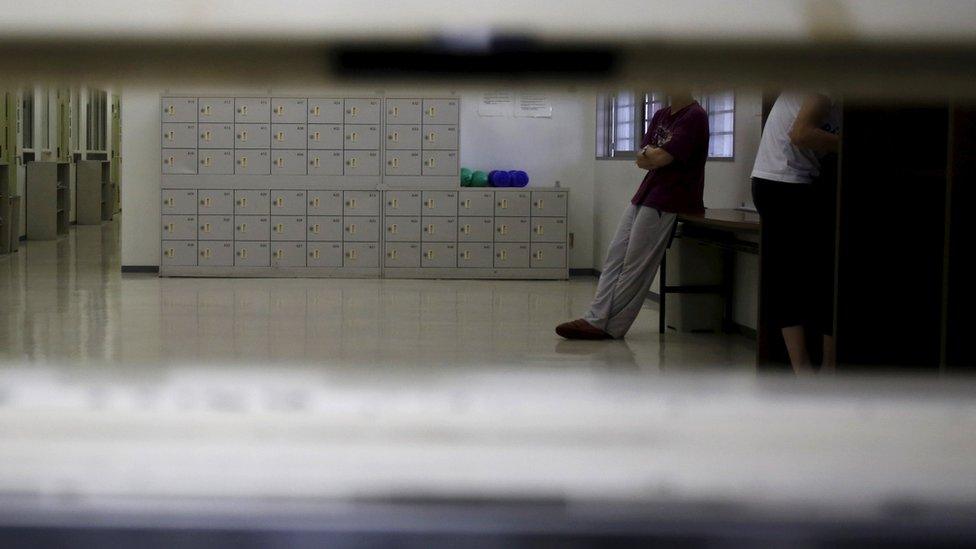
(45, 120)
(27, 119)
(95, 115)
(623, 117)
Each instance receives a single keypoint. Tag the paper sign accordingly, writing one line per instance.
(496, 104)
(533, 105)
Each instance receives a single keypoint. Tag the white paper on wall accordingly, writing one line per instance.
(496, 103)
(533, 105)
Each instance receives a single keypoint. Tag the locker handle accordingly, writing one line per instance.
(243, 161)
(315, 162)
(316, 136)
(354, 111)
(538, 254)
(430, 162)
(169, 161)
(243, 110)
(503, 229)
(171, 110)
(169, 201)
(205, 227)
(314, 254)
(430, 229)
(279, 254)
(171, 135)
(169, 252)
(351, 254)
(431, 136)
(429, 203)
(243, 253)
(430, 254)
(316, 111)
(315, 201)
(314, 229)
(205, 110)
(393, 228)
(351, 203)
(353, 136)
(394, 203)
(242, 227)
(431, 112)
(279, 110)
(538, 204)
(466, 255)
(170, 227)
(279, 202)
(503, 204)
(392, 254)
(243, 135)
(280, 162)
(395, 162)
(351, 162)
(539, 229)
(280, 228)
(466, 204)
(395, 112)
(466, 229)
(395, 137)
(205, 253)
(351, 228)
(280, 136)
(206, 161)
(503, 255)
(242, 202)
(206, 135)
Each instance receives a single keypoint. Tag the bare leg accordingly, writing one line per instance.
(829, 365)
(796, 345)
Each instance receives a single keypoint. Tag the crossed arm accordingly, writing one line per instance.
(806, 132)
(650, 158)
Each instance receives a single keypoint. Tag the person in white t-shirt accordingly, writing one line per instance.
(794, 189)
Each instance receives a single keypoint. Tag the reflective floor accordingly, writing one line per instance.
(66, 302)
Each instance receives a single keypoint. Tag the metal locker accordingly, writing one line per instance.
(179, 201)
(362, 111)
(287, 228)
(512, 203)
(403, 137)
(440, 163)
(438, 255)
(288, 202)
(361, 255)
(252, 227)
(361, 137)
(402, 162)
(476, 229)
(548, 256)
(440, 111)
(288, 162)
(440, 137)
(181, 135)
(216, 254)
(289, 136)
(324, 202)
(402, 229)
(252, 162)
(218, 201)
(179, 109)
(361, 202)
(325, 136)
(216, 161)
(252, 109)
(548, 229)
(252, 202)
(324, 228)
(288, 254)
(512, 229)
(324, 162)
(549, 203)
(361, 229)
(216, 109)
(480, 203)
(361, 163)
(178, 253)
(403, 111)
(325, 111)
(439, 229)
(324, 254)
(215, 227)
(179, 161)
(252, 136)
(179, 227)
(215, 136)
(511, 255)
(439, 203)
(402, 255)
(289, 111)
(252, 254)
(476, 255)
(402, 202)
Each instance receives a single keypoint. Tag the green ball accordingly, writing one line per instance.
(465, 177)
(479, 179)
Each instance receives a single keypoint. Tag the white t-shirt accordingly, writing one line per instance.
(780, 160)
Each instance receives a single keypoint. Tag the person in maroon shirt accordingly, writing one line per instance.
(673, 152)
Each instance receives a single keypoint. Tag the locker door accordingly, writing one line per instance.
(179, 135)
(511, 229)
(324, 202)
(361, 163)
(402, 136)
(325, 136)
(361, 229)
(216, 109)
(179, 109)
(548, 229)
(511, 256)
(324, 162)
(476, 229)
(289, 136)
(361, 137)
(252, 162)
(361, 203)
(324, 254)
(178, 253)
(179, 161)
(512, 204)
(438, 255)
(288, 254)
(288, 162)
(216, 136)
(402, 162)
(216, 161)
(439, 229)
(252, 136)
(179, 227)
(440, 163)
(325, 111)
(323, 228)
(215, 227)
(289, 111)
(287, 228)
(288, 202)
(402, 255)
(476, 255)
(402, 229)
(549, 203)
(440, 111)
(476, 203)
(440, 203)
(440, 137)
(361, 255)
(216, 254)
(251, 202)
(252, 254)
(252, 228)
(403, 111)
(402, 202)
(251, 109)
(179, 201)
(213, 202)
(362, 111)
(548, 256)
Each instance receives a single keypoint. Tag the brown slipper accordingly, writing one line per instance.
(581, 329)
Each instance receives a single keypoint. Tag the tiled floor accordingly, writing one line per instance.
(66, 303)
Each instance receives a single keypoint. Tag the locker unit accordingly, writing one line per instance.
(216, 136)
(216, 161)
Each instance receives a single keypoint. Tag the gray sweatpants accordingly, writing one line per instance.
(635, 254)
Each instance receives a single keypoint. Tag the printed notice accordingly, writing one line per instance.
(496, 104)
(533, 105)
